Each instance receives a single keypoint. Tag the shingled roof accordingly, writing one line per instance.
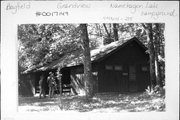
(76, 58)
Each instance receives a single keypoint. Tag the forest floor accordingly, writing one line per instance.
(135, 102)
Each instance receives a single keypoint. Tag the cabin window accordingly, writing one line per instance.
(144, 68)
(124, 74)
(109, 67)
(118, 67)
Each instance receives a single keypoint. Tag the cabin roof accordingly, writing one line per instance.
(76, 58)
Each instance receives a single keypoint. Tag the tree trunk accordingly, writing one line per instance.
(157, 53)
(110, 31)
(157, 68)
(107, 39)
(108, 34)
(87, 62)
(151, 56)
(59, 78)
(60, 85)
(115, 30)
(149, 32)
(161, 53)
(98, 27)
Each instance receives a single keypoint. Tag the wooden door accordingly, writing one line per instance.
(124, 81)
(132, 78)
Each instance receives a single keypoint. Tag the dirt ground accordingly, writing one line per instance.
(109, 102)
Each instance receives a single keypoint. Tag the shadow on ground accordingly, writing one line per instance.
(137, 102)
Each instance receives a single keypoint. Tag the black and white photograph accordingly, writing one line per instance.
(78, 60)
(108, 67)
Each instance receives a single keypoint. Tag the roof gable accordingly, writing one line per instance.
(119, 45)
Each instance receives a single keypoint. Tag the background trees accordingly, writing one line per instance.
(40, 44)
(155, 40)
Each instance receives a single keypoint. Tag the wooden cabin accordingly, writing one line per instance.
(121, 66)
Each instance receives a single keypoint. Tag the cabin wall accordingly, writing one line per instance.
(122, 70)
(143, 76)
(26, 86)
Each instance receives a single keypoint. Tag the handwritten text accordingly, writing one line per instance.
(14, 8)
(72, 5)
(155, 15)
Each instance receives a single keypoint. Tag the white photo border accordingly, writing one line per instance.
(25, 12)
